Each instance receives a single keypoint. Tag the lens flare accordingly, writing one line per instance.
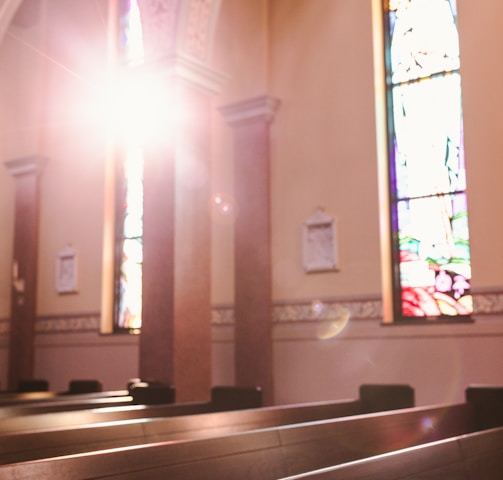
(223, 208)
(427, 424)
(333, 319)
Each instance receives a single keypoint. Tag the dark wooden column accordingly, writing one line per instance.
(26, 173)
(251, 121)
(175, 340)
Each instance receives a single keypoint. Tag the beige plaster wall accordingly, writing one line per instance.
(74, 140)
(52, 86)
(480, 37)
(241, 53)
(438, 361)
(323, 143)
(20, 119)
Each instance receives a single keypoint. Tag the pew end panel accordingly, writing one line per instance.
(77, 386)
(152, 393)
(33, 385)
(380, 397)
(487, 401)
(225, 398)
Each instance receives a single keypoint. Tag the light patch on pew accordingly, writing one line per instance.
(333, 319)
(427, 424)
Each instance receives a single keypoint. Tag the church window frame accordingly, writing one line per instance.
(420, 287)
(123, 231)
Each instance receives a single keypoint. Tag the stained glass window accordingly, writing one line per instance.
(429, 224)
(129, 184)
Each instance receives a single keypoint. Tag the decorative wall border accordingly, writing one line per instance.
(83, 322)
(317, 310)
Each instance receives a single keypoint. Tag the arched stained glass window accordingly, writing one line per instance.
(428, 207)
(129, 180)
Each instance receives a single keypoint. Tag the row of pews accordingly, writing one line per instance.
(379, 435)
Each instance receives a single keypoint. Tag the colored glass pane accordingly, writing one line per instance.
(129, 249)
(428, 137)
(133, 173)
(130, 33)
(427, 164)
(129, 306)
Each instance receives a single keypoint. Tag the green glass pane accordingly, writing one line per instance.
(434, 256)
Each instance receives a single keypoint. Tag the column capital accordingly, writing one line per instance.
(196, 73)
(259, 108)
(188, 70)
(33, 164)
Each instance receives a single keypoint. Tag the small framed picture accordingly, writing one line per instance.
(319, 245)
(66, 271)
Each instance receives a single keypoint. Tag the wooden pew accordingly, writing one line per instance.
(371, 398)
(28, 401)
(77, 409)
(22, 445)
(33, 385)
(474, 456)
(38, 399)
(33, 390)
(262, 454)
(143, 393)
(14, 398)
(26, 405)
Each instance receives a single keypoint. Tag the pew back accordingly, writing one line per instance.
(261, 454)
(25, 445)
(65, 433)
(65, 404)
(474, 456)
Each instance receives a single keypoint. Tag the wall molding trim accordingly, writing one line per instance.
(486, 303)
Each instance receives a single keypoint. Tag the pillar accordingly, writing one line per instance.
(250, 120)
(175, 340)
(26, 173)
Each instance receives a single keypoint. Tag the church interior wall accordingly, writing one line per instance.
(316, 57)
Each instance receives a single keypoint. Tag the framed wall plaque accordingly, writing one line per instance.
(66, 271)
(319, 245)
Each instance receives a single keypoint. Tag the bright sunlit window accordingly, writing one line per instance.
(129, 178)
(430, 254)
